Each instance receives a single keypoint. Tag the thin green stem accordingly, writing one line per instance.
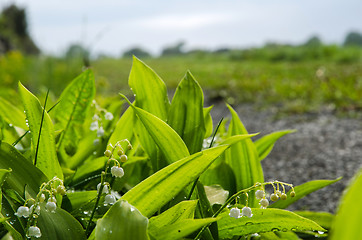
(211, 143)
(41, 126)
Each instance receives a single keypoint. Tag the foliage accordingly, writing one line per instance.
(77, 170)
(14, 33)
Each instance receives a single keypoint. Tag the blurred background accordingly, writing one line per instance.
(299, 56)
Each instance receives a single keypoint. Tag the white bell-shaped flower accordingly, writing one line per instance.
(117, 171)
(34, 231)
(105, 188)
(264, 203)
(108, 116)
(109, 199)
(259, 194)
(234, 212)
(246, 211)
(51, 206)
(22, 212)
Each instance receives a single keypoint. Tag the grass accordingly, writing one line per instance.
(293, 87)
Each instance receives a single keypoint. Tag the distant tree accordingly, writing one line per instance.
(314, 41)
(14, 31)
(77, 51)
(353, 39)
(136, 51)
(173, 50)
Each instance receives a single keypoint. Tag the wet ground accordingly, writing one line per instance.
(325, 146)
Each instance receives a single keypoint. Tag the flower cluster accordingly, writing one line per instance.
(279, 192)
(32, 207)
(116, 170)
(97, 121)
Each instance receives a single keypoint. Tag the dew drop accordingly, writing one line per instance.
(275, 229)
(249, 223)
(284, 230)
(10, 125)
(320, 232)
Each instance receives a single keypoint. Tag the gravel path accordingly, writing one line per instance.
(324, 147)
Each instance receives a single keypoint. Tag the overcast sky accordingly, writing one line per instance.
(111, 26)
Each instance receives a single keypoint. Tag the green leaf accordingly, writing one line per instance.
(208, 121)
(264, 220)
(80, 199)
(324, 219)
(46, 160)
(186, 115)
(180, 229)
(182, 210)
(12, 114)
(243, 159)
(59, 225)
(169, 142)
(265, 144)
(216, 194)
(303, 190)
(221, 174)
(72, 109)
(347, 224)
(122, 222)
(124, 128)
(23, 172)
(155, 191)
(149, 89)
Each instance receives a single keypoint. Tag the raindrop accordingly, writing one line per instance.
(275, 229)
(320, 232)
(10, 125)
(294, 229)
(284, 229)
(249, 223)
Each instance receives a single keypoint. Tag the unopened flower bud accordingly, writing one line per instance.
(274, 197)
(129, 146)
(123, 158)
(61, 190)
(42, 198)
(108, 153)
(283, 196)
(278, 193)
(292, 194)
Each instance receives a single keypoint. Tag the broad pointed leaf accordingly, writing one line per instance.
(23, 173)
(72, 109)
(186, 115)
(243, 158)
(347, 223)
(47, 160)
(180, 229)
(149, 89)
(12, 114)
(122, 222)
(264, 220)
(265, 144)
(155, 191)
(168, 141)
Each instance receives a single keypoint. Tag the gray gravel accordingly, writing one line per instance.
(324, 147)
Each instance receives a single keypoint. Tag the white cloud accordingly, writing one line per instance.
(182, 22)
